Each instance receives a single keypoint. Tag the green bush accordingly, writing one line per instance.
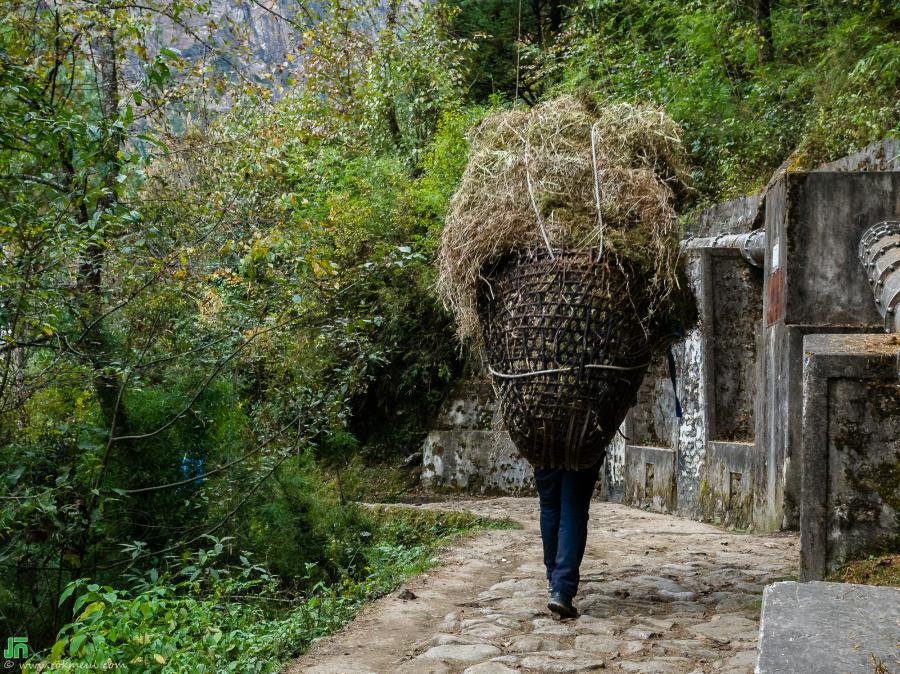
(206, 615)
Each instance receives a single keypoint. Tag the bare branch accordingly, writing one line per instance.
(219, 469)
(34, 179)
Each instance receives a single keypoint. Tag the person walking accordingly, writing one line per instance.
(565, 499)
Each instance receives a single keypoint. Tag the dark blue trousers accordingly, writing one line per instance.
(565, 497)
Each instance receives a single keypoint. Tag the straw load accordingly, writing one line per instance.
(568, 174)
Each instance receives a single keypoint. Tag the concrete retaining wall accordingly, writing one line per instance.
(850, 467)
(466, 451)
(650, 478)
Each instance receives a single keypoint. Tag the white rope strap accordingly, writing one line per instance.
(537, 213)
(557, 370)
(597, 194)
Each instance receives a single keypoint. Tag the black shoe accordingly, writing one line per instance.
(561, 605)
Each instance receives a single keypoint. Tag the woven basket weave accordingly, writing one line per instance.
(566, 351)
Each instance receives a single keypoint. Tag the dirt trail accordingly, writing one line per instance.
(659, 594)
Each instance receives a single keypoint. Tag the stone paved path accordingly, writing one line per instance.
(659, 594)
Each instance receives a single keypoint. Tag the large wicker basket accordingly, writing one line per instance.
(566, 352)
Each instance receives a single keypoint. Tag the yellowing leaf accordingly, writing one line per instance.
(92, 608)
(58, 648)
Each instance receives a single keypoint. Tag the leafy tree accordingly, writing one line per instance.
(190, 306)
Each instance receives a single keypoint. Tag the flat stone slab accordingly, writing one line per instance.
(727, 628)
(828, 627)
(422, 665)
(659, 666)
(490, 668)
(487, 632)
(562, 662)
(462, 653)
(598, 643)
(531, 643)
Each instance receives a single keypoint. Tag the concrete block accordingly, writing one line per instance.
(652, 421)
(730, 487)
(881, 156)
(814, 222)
(469, 406)
(612, 479)
(781, 379)
(737, 216)
(690, 447)
(483, 462)
(828, 628)
(735, 325)
(850, 498)
(650, 478)
(463, 452)
(813, 284)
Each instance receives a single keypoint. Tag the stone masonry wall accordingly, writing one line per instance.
(850, 466)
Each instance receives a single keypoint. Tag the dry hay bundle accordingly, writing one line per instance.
(534, 181)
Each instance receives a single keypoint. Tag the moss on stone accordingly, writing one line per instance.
(880, 570)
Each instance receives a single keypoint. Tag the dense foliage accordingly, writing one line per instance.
(753, 82)
(205, 325)
(206, 614)
(217, 319)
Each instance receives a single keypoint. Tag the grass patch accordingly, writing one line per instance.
(876, 570)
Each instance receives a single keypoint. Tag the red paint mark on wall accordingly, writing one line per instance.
(775, 297)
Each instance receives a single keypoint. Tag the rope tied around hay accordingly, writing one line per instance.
(597, 191)
(537, 211)
(563, 370)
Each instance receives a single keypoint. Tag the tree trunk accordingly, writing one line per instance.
(96, 344)
(537, 11)
(392, 120)
(90, 277)
(762, 15)
(556, 15)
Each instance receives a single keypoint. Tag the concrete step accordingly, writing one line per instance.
(829, 628)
